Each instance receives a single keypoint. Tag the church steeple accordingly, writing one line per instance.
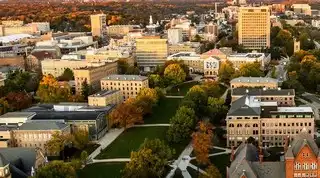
(150, 20)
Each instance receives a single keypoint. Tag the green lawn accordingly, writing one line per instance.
(162, 113)
(130, 140)
(182, 89)
(102, 170)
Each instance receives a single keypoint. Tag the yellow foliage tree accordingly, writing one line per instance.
(174, 73)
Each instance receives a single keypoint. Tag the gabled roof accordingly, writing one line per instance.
(43, 125)
(302, 140)
(213, 52)
(242, 107)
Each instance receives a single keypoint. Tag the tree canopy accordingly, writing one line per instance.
(56, 169)
(174, 73)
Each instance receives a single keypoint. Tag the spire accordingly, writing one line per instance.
(150, 20)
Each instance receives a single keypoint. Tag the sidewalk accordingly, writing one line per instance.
(105, 141)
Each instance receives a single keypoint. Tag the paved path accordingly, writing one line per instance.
(174, 96)
(186, 152)
(105, 141)
(196, 168)
(152, 125)
(113, 160)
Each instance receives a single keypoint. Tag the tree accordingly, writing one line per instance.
(50, 91)
(56, 169)
(80, 139)
(86, 90)
(155, 80)
(212, 172)
(57, 143)
(250, 70)
(174, 73)
(196, 98)
(122, 66)
(19, 100)
(84, 157)
(67, 75)
(182, 125)
(4, 106)
(126, 115)
(149, 161)
(150, 93)
(212, 88)
(217, 110)
(202, 142)
(226, 71)
(144, 103)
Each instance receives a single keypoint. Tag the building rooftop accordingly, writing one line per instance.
(254, 80)
(65, 115)
(17, 114)
(104, 93)
(125, 77)
(295, 109)
(43, 125)
(262, 92)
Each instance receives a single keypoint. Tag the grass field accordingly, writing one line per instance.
(162, 113)
(130, 140)
(102, 170)
(182, 89)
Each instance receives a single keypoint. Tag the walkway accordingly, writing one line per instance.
(105, 141)
(112, 160)
(174, 96)
(152, 125)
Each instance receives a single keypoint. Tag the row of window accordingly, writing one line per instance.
(286, 124)
(305, 166)
(118, 84)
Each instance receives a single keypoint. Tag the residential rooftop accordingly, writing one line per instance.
(125, 77)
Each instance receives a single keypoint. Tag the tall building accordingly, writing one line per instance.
(254, 27)
(98, 24)
(174, 35)
(151, 51)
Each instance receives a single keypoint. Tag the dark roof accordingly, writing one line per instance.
(66, 115)
(41, 55)
(240, 107)
(48, 125)
(262, 92)
(21, 160)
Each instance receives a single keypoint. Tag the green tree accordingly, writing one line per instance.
(155, 80)
(182, 125)
(67, 75)
(212, 172)
(250, 70)
(149, 161)
(83, 157)
(196, 98)
(56, 169)
(80, 139)
(86, 90)
(226, 71)
(174, 73)
(57, 143)
(122, 66)
(217, 110)
(212, 88)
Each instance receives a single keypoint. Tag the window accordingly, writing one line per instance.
(297, 166)
(313, 166)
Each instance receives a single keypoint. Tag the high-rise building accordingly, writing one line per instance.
(151, 51)
(254, 27)
(174, 35)
(98, 24)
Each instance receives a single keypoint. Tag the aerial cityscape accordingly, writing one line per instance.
(159, 89)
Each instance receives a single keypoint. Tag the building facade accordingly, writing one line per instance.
(105, 98)
(243, 58)
(151, 52)
(129, 85)
(254, 27)
(175, 35)
(184, 47)
(266, 122)
(98, 24)
(92, 75)
(254, 82)
(121, 30)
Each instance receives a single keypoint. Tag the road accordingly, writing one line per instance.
(281, 72)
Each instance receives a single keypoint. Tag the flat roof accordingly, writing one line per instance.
(254, 80)
(125, 77)
(262, 92)
(43, 125)
(295, 109)
(17, 114)
(103, 93)
(66, 115)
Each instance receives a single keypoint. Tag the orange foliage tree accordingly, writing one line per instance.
(202, 142)
(126, 115)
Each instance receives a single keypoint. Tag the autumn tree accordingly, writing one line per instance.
(126, 115)
(211, 172)
(202, 142)
(19, 100)
(250, 70)
(212, 89)
(226, 72)
(57, 143)
(4, 106)
(174, 73)
(67, 75)
(56, 169)
(50, 91)
(149, 161)
(155, 80)
(150, 93)
(80, 139)
(181, 125)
